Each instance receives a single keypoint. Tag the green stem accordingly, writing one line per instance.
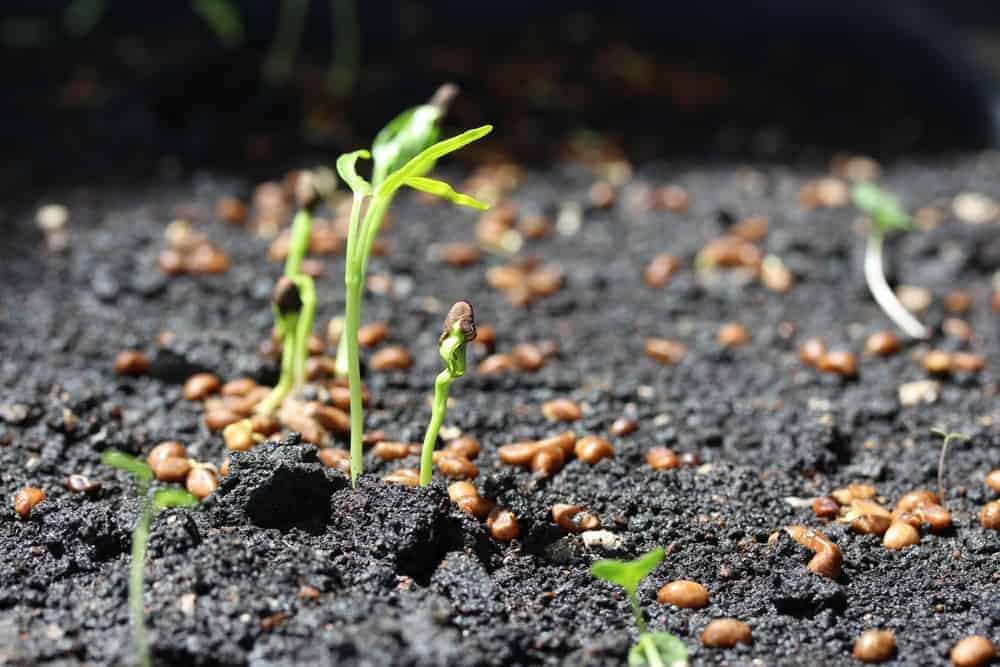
(140, 539)
(650, 650)
(292, 16)
(352, 321)
(640, 622)
(346, 48)
(287, 327)
(441, 386)
(303, 327)
(299, 243)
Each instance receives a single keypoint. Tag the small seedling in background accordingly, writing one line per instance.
(654, 649)
(948, 437)
(149, 505)
(343, 72)
(886, 215)
(399, 158)
(459, 329)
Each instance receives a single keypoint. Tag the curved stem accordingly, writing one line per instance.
(883, 294)
(440, 407)
(302, 328)
(650, 650)
(299, 243)
(287, 327)
(140, 538)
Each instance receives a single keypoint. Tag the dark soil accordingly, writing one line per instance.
(406, 579)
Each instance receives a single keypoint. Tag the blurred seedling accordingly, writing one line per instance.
(459, 329)
(149, 505)
(886, 215)
(948, 438)
(653, 649)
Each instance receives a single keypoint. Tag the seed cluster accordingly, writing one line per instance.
(189, 251)
(524, 280)
(547, 456)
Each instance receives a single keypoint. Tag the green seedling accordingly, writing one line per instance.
(459, 329)
(886, 215)
(654, 649)
(343, 72)
(281, 57)
(948, 437)
(400, 157)
(149, 506)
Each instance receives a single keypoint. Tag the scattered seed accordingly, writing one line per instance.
(26, 499)
(683, 593)
(295, 417)
(455, 466)
(231, 210)
(562, 410)
(403, 476)
(535, 226)
(486, 335)
(752, 229)
(967, 362)
(81, 484)
(957, 328)
(839, 362)
(239, 436)
(172, 469)
(993, 480)
(574, 519)
(165, 450)
(390, 451)
(591, 449)
(202, 482)
(601, 195)
(339, 459)
(466, 496)
(239, 387)
(566, 441)
(874, 646)
(732, 334)
(725, 633)
(518, 453)
(662, 458)
(372, 334)
(502, 525)
(131, 363)
(973, 651)
(200, 386)
(624, 426)
(265, 425)
(496, 364)
(900, 535)
(974, 208)
(919, 391)
(812, 351)
(528, 357)
(957, 302)
(547, 461)
(882, 344)
(825, 507)
(391, 358)
(848, 494)
(665, 351)
(867, 517)
(220, 418)
(329, 417)
(660, 270)
(465, 445)
(674, 198)
(916, 499)
(989, 516)
(828, 558)
(730, 252)
(775, 275)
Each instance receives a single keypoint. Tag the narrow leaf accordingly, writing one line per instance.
(167, 498)
(126, 462)
(419, 165)
(628, 574)
(441, 189)
(404, 137)
(347, 168)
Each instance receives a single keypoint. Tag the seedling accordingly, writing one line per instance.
(149, 506)
(654, 649)
(887, 215)
(400, 157)
(948, 437)
(459, 329)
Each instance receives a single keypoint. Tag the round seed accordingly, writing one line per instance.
(900, 535)
(562, 410)
(202, 482)
(173, 469)
(465, 446)
(684, 594)
(403, 476)
(601, 194)
(528, 357)
(456, 466)
(372, 334)
(848, 494)
(665, 351)
(564, 441)
(220, 418)
(239, 387)
(968, 362)
(238, 436)
(231, 210)
(725, 633)
(937, 518)
(502, 525)
(574, 519)
(131, 363)
(486, 335)
(390, 451)
(989, 516)
(547, 461)
(467, 498)
(825, 507)
(828, 559)
(459, 254)
(391, 358)
(915, 499)
(937, 362)
(535, 226)
(624, 426)
(26, 499)
(518, 453)
(839, 362)
(957, 302)
(973, 651)
(874, 646)
(200, 386)
(660, 270)
(165, 450)
(882, 344)
(993, 480)
(265, 425)
(775, 275)
(339, 459)
(811, 351)
(674, 198)
(662, 458)
(591, 449)
(330, 418)
(496, 364)
(732, 334)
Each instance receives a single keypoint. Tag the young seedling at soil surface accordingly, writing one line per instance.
(148, 507)
(886, 215)
(459, 329)
(400, 158)
(948, 437)
(654, 649)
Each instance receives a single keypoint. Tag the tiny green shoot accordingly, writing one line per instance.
(948, 437)
(653, 649)
(887, 215)
(459, 329)
(149, 505)
(400, 158)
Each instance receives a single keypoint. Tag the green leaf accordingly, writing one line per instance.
(420, 164)
(628, 574)
(167, 498)
(404, 137)
(441, 189)
(126, 462)
(672, 651)
(347, 168)
(884, 209)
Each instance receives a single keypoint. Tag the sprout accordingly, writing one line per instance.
(148, 508)
(948, 437)
(655, 649)
(886, 215)
(401, 157)
(459, 329)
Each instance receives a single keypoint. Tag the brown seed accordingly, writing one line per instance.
(547, 461)
(662, 458)
(231, 210)
(207, 259)
(486, 335)
(265, 424)
(811, 351)
(957, 328)
(967, 362)
(882, 344)
(518, 453)
(528, 357)
(752, 229)
(545, 281)
(170, 262)
(535, 226)
(330, 418)
(173, 469)
(390, 451)
(202, 482)
(372, 334)
(502, 525)
(458, 490)
(957, 302)
(665, 351)
(26, 499)
(624, 426)
(308, 593)
(591, 449)
(674, 198)
(683, 593)
(730, 252)
(900, 535)
(338, 459)
(973, 651)
(496, 364)
(825, 507)
(391, 358)
(464, 446)
(239, 436)
(574, 519)
(565, 441)
(914, 499)
(466, 496)
(403, 476)
(848, 494)
(293, 416)
(239, 387)
(506, 276)
(989, 516)
(220, 418)
(993, 480)
(459, 254)
(937, 518)
(937, 362)
(200, 386)
(562, 410)
(456, 466)
(867, 517)
(775, 275)
(725, 633)
(131, 363)
(995, 301)
(732, 334)
(165, 450)
(874, 646)
(224, 466)
(601, 194)
(81, 484)
(839, 362)
(828, 559)
(660, 270)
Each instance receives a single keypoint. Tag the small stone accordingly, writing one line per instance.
(917, 392)
(974, 208)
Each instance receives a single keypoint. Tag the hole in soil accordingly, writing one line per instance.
(422, 559)
(292, 498)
